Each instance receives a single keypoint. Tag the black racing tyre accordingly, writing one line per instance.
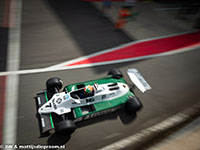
(54, 82)
(116, 73)
(66, 127)
(133, 105)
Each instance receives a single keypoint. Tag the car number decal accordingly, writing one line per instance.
(48, 105)
(89, 100)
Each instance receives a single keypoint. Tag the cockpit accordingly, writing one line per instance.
(81, 94)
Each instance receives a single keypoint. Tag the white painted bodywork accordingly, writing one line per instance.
(62, 103)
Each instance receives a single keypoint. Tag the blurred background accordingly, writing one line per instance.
(37, 34)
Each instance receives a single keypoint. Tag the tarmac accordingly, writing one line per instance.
(184, 134)
(152, 21)
(186, 138)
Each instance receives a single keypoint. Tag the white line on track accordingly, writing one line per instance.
(116, 48)
(10, 115)
(10, 118)
(62, 66)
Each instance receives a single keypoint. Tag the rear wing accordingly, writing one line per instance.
(138, 80)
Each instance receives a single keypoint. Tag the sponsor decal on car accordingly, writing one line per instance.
(54, 105)
(66, 97)
(43, 122)
(97, 114)
(59, 100)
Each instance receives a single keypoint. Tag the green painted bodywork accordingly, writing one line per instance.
(104, 80)
(50, 116)
(103, 105)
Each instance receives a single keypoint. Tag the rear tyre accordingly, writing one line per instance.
(53, 83)
(116, 73)
(133, 105)
(66, 127)
(126, 117)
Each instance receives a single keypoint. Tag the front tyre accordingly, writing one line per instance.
(53, 83)
(65, 127)
(133, 105)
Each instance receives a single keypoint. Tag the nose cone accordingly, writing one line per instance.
(41, 110)
(45, 109)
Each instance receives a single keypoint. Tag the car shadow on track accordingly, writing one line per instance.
(59, 140)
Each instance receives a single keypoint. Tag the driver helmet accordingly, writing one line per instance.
(88, 89)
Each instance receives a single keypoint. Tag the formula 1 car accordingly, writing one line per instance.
(61, 110)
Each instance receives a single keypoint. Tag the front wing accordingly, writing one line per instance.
(45, 120)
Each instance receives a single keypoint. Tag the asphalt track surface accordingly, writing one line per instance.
(48, 38)
(80, 20)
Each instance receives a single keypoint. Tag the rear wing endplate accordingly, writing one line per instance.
(138, 80)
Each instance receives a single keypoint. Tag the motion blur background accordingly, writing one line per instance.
(36, 34)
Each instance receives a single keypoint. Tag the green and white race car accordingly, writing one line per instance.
(63, 110)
